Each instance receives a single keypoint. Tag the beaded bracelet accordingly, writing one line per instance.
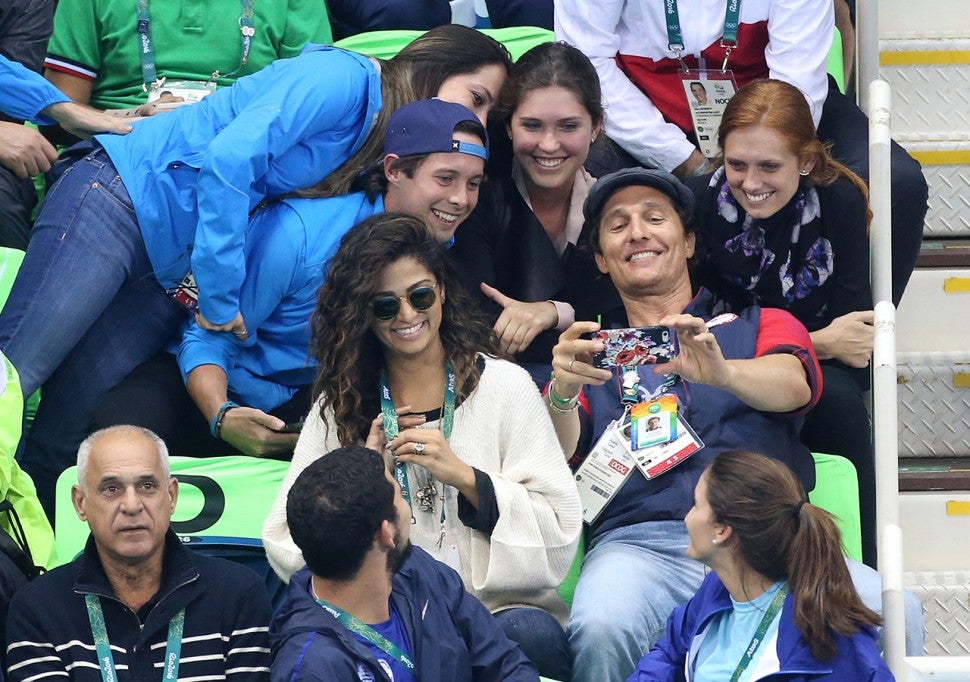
(215, 426)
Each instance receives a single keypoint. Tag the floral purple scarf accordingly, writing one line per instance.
(781, 261)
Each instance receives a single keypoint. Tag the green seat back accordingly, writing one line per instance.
(568, 586)
(15, 485)
(218, 496)
(836, 63)
(10, 260)
(837, 492)
(385, 44)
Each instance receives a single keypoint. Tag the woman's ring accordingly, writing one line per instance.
(569, 367)
(419, 448)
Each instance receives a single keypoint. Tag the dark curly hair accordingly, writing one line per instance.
(349, 353)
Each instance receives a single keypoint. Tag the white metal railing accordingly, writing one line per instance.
(867, 48)
(884, 403)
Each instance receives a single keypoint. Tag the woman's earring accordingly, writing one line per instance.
(714, 541)
(803, 173)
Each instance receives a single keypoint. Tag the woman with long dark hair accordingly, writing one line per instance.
(518, 252)
(406, 363)
(784, 225)
(154, 222)
(780, 602)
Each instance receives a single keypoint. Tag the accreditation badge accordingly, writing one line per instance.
(190, 91)
(605, 468)
(707, 91)
(659, 459)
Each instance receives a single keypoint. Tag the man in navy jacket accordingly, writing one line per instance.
(371, 607)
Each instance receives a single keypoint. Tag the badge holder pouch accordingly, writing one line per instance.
(707, 91)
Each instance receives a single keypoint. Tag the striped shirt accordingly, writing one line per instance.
(226, 616)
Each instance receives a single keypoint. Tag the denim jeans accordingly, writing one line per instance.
(632, 579)
(84, 311)
(541, 638)
(868, 584)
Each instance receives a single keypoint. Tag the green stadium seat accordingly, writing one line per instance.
(224, 497)
(385, 44)
(837, 492)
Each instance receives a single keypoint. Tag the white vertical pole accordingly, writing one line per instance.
(884, 405)
(867, 48)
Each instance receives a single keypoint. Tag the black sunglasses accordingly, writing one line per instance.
(386, 307)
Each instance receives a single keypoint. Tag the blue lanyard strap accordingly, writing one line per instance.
(354, 624)
(106, 661)
(391, 429)
(760, 633)
(146, 49)
(729, 38)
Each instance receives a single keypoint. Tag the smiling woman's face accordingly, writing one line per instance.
(761, 169)
(551, 132)
(410, 332)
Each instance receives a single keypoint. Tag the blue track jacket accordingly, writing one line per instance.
(454, 638)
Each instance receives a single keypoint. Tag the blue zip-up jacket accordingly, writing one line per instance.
(24, 94)
(195, 173)
(454, 638)
(789, 659)
(287, 251)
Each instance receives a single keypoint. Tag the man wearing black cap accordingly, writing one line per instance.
(740, 381)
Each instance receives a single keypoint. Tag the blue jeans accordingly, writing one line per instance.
(632, 579)
(84, 311)
(541, 638)
(868, 584)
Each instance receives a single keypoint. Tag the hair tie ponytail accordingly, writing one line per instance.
(796, 510)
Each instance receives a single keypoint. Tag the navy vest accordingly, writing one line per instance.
(721, 420)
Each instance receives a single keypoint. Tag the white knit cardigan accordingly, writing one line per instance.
(503, 430)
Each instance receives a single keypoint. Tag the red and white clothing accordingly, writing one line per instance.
(646, 107)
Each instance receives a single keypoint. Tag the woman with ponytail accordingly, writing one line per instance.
(780, 603)
(784, 225)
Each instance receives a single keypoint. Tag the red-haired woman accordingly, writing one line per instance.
(784, 225)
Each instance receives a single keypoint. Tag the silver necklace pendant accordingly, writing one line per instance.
(426, 495)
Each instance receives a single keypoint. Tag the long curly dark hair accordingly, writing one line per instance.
(349, 353)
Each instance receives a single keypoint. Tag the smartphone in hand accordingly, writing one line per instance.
(635, 346)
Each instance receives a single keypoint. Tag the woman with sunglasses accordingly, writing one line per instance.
(153, 224)
(406, 363)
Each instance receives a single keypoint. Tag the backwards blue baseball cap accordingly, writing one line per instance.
(427, 127)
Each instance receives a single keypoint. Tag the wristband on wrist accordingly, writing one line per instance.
(557, 399)
(215, 426)
(573, 405)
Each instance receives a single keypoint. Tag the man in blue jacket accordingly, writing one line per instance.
(369, 606)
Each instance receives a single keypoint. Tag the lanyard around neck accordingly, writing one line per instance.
(729, 37)
(146, 49)
(106, 661)
(759, 634)
(391, 426)
(355, 624)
